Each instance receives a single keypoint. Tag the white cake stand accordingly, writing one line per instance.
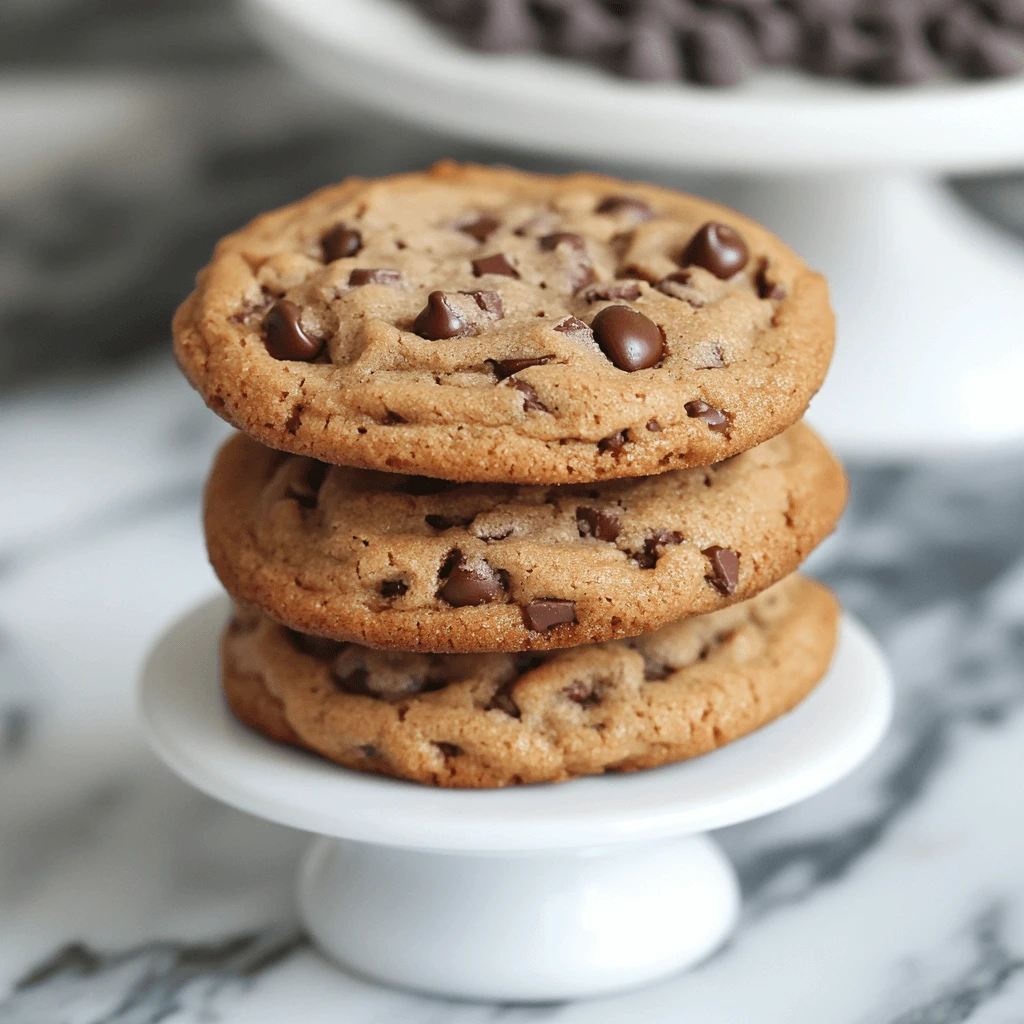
(929, 296)
(531, 893)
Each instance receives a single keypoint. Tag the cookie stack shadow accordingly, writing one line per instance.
(521, 487)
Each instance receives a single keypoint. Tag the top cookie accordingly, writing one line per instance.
(486, 324)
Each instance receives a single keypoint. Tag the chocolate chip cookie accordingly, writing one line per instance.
(486, 720)
(416, 563)
(475, 323)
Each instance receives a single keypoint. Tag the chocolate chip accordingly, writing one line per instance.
(614, 443)
(551, 242)
(489, 302)
(654, 426)
(340, 242)
(531, 402)
(714, 418)
(378, 276)
(618, 204)
(654, 547)
(496, 264)
(502, 701)
(582, 693)
(767, 289)
(628, 291)
(422, 485)
(598, 523)
(506, 367)
(546, 613)
(285, 338)
(628, 338)
(440, 522)
(438, 320)
(391, 418)
(315, 646)
(393, 588)
(448, 749)
(481, 229)
(368, 750)
(575, 328)
(306, 491)
(725, 569)
(470, 586)
(718, 248)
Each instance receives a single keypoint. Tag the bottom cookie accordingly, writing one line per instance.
(489, 720)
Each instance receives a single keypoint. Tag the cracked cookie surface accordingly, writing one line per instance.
(489, 720)
(413, 563)
(487, 324)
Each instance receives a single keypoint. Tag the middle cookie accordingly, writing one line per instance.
(413, 563)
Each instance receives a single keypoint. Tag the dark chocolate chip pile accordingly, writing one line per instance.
(719, 42)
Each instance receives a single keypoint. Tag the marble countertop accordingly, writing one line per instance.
(128, 898)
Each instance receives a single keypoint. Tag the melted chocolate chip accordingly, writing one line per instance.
(315, 646)
(598, 523)
(306, 491)
(551, 242)
(481, 229)
(627, 291)
(377, 276)
(531, 402)
(632, 204)
(654, 426)
(496, 264)
(654, 547)
(391, 418)
(489, 302)
(340, 242)
(725, 569)
(502, 701)
(767, 289)
(718, 248)
(506, 367)
(448, 749)
(628, 338)
(285, 338)
(437, 320)
(467, 587)
(714, 418)
(393, 588)
(614, 443)
(440, 522)
(546, 613)
(582, 693)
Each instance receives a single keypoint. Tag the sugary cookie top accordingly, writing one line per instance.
(487, 324)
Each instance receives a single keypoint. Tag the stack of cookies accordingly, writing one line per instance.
(521, 487)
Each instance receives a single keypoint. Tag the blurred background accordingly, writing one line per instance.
(132, 136)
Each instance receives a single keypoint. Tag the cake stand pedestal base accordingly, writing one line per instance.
(526, 894)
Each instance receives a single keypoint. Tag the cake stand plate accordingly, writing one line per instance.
(928, 295)
(530, 893)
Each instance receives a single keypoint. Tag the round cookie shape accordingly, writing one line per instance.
(374, 323)
(489, 720)
(420, 564)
